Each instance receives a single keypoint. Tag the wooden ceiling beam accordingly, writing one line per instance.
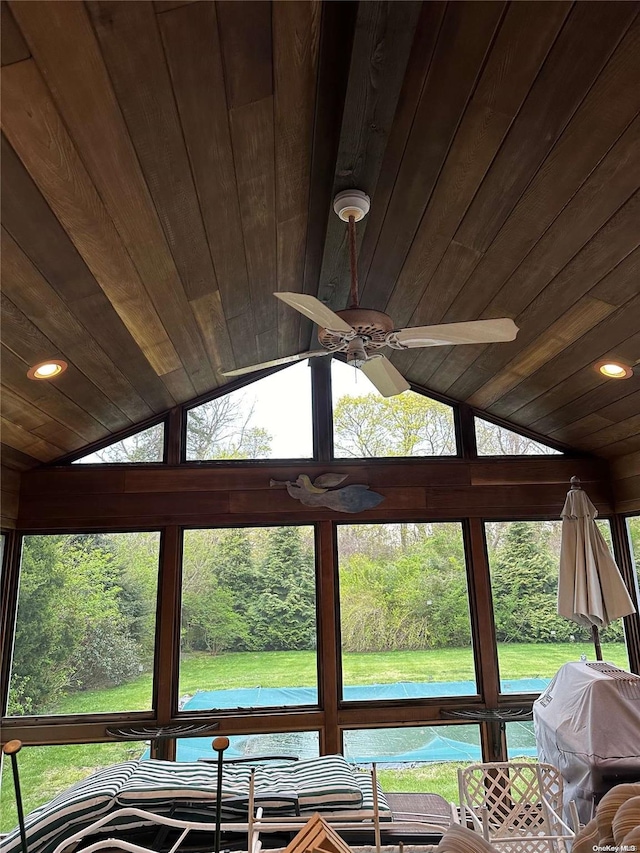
(337, 27)
(296, 47)
(381, 49)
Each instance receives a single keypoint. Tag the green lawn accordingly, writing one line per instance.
(47, 770)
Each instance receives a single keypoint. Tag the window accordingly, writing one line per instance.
(248, 635)
(145, 446)
(85, 624)
(269, 419)
(533, 640)
(300, 745)
(404, 611)
(46, 771)
(633, 528)
(416, 758)
(494, 440)
(521, 741)
(367, 425)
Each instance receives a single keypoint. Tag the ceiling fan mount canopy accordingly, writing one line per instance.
(372, 326)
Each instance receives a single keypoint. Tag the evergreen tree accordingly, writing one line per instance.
(524, 584)
(283, 614)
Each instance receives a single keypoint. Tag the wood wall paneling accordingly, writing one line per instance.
(30, 292)
(50, 397)
(193, 52)
(625, 473)
(68, 55)
(465, 38)
(132, 48)
(9, 497)
(584, 141)
(31, 223)
(158, 495)
(612, 338)
(520, 48)
(36, 132)
(13, 47)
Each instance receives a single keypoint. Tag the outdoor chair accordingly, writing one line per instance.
(517, 807)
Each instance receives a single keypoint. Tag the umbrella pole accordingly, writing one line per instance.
(595, 635)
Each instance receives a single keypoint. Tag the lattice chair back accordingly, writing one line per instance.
(516, 806)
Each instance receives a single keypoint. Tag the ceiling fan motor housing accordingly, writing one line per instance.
(372, 326)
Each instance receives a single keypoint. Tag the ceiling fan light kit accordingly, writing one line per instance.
(360, 332)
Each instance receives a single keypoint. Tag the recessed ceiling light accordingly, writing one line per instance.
(613, 369)
(47, 369)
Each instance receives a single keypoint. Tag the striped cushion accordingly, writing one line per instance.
(71, 810)
(188, 789)
(327, 783)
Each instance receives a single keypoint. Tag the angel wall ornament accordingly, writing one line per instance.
(354, 498)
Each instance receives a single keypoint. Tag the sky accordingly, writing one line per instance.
(283, 404)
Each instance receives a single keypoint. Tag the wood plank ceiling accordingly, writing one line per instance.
(166, 166)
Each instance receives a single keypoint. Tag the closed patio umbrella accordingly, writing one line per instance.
(591, 590)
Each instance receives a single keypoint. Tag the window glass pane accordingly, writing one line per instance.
(145, 446)
(521, 741)
(248, 618)
(404, 611)
(269, 419)
(533, 641)
(46, 771)
(494, 440)
(85, 625)
(633, 526)
(416, 759)
(368, 425)
(291, 744)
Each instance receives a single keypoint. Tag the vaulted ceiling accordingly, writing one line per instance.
(167, 166)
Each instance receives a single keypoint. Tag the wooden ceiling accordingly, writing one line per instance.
(166, 166)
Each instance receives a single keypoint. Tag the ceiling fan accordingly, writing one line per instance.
(360, 332)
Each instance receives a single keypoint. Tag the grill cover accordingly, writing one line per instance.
(587, 724)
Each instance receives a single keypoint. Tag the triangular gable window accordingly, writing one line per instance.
(368, 425)
(269, 419)
(494, 440)
(144, 446)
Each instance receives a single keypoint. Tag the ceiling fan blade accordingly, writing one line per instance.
(314, 310)
(387, 378)
(473, 332)
(288, 359)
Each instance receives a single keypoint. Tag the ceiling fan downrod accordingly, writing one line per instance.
(352, 206)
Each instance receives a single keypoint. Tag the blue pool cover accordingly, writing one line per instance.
(277, 697)
(390, 746)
